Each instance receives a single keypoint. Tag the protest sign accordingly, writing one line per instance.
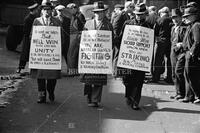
(136, 48)
(95, 53)
(45, 50)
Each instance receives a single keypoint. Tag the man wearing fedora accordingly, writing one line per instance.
(122, 17)
(117, 10)
(94, 82)
(27, 27)
(191, 44)
(46, 79)
(118, 22)
(76, 26)
(65, 29)
(134, 80)
(177, 54)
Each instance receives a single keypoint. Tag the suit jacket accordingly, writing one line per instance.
(40, 22)
(163, 29)
(191, 40)
(117, 26)
(177, 37)
(77, 23)
(119, 21)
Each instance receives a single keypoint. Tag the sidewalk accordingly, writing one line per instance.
(70, 114)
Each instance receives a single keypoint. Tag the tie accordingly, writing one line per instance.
(47, 22)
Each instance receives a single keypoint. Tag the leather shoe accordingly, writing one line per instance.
(94, 104)
(173, 97)
(41, 100)
(135, 107)
(184, 100)
(41, 97)
(179, 97)
(197, 101)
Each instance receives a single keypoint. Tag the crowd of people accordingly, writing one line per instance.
(176, 47)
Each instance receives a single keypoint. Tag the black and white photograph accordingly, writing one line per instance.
(99, 66)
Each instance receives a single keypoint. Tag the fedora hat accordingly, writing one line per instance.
(191, 4)
(140, 8)
(164, 10)
(33, 6)
(119, 6)
(152, 8)
(99, 6)
(190, 11)
(46, 3)
(176, 12)
(60, 7)
(72, 5)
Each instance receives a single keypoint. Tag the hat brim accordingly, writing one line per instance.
(99, 10)
(140, 12)
(33, 6)
(42, 6)
(174, 16)
(189, 14)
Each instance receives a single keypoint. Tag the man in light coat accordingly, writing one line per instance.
(46, 79)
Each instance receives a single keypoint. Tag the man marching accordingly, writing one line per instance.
(133, 81)
(46, 78)
(94, 82)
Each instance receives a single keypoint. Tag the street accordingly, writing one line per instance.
(70, 113)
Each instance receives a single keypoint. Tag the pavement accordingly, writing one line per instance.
(19, 112)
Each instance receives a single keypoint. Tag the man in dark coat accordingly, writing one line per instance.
(162, 46)
(117, 10)
(118, 23)
(121, 18)
(27, 27)
(76, 26)
(177, 55)
(134, 80)
(65, 29)
(192, 47)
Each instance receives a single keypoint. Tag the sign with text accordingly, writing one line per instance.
(95, 53)
(136, 48)
(45, 50)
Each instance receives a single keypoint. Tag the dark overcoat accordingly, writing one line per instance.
(27, 27)
(45, 73)
(99, 79)
(65, 33)
(76, 26)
